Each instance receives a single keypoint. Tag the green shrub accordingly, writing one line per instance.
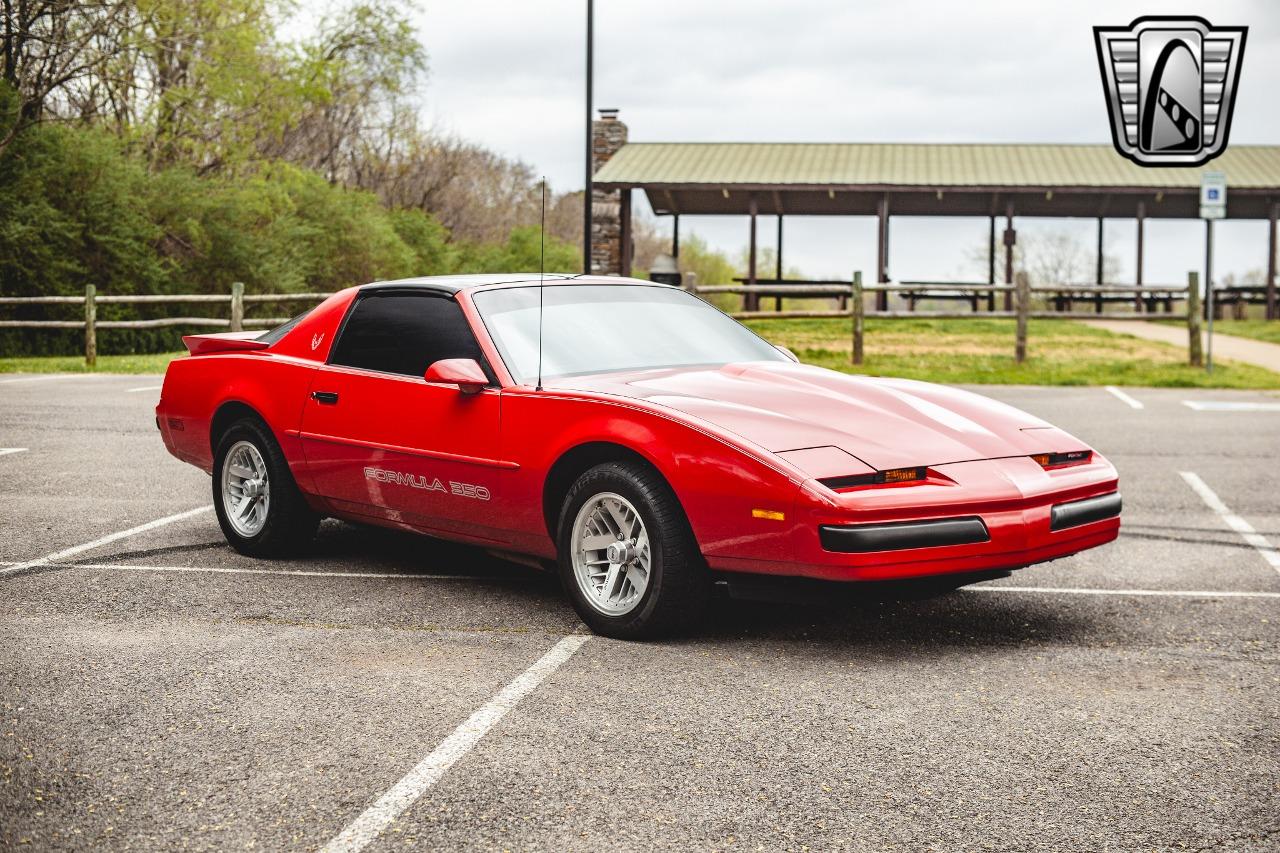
(73, 212)
(521, 253)
(77, 208)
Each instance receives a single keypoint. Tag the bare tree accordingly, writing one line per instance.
(50, 45)
(1050, 257)
(360, 71)
(208, 84)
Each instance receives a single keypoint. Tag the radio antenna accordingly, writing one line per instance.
(542, 272)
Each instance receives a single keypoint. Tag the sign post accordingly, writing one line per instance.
(1213, 205)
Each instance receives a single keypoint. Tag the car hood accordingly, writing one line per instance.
(887, 423)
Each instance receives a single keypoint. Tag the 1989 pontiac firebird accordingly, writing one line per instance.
(637, 436)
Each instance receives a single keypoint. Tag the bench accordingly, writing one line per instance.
(1064, 299)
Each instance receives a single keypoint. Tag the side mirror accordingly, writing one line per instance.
(463, 372)
(788, 353)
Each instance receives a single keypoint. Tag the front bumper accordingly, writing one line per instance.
(902, 535)
(991, 515)
(1086, 511)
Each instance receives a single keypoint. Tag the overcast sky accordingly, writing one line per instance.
(509, 74)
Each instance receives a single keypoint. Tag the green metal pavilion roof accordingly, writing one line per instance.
(794, 177)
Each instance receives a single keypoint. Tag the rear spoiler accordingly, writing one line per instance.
(223, 342)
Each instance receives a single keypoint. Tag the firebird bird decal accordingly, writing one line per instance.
(316, 340)
(463, 490)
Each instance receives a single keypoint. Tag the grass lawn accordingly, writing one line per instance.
(980, 351)
(75, 363)
(1259, 330)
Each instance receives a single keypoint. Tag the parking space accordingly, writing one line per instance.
(159, 691)
(90, 467)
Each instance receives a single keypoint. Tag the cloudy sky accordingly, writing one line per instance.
(509, 74)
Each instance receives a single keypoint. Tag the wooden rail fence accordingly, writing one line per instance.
(1021, 291)
(237, 299)
(851, 294)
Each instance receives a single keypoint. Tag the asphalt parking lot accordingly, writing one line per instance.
(158, 691)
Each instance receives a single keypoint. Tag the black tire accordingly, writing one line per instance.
(679, 584)
(290, 524)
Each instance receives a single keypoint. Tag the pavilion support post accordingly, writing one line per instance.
(675, 236)
(1273, 310)
(882, 252)
(751, 301)
(1195, 355)
(991, 265)
(1010, 240)
(1142, 221)
(624, 234)
(777, 303)
(1097, 295)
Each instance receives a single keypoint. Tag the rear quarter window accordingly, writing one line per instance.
(404, 333)
(274, 335)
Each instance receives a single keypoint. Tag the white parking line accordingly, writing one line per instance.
(1235, 522)
(1123, 397)
(1230, 406)
(1177, 593)
(104, 540)
(7, 450)
(143, 388)
(405, 793)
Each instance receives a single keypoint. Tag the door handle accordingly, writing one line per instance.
(325, 397)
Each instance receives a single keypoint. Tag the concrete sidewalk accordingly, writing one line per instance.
(1245, 350)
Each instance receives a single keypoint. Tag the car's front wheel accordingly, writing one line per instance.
(259, 506)
(627, 557)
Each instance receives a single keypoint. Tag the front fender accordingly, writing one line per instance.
(739, 505)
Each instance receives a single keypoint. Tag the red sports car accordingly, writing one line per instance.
(634, 434)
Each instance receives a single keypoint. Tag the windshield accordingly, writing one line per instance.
(602, 328)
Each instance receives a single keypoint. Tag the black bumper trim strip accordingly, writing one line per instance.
(861, 538)
(1088, 510)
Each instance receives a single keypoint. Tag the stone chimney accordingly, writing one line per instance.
(607, 136)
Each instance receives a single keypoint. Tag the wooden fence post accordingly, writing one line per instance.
(1193, 319)
(1023, 293)
(858, 319)
(90, 326)
(237, 306)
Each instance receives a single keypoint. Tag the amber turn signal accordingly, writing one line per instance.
(893, 475)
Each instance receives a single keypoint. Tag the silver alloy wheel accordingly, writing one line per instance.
(246, 491)
(611, 557)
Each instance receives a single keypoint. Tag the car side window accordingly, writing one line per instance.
(404, 333)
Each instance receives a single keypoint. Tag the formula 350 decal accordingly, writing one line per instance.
(400, 478)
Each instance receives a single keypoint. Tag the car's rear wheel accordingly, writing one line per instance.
(627, 557)
(259, 506)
